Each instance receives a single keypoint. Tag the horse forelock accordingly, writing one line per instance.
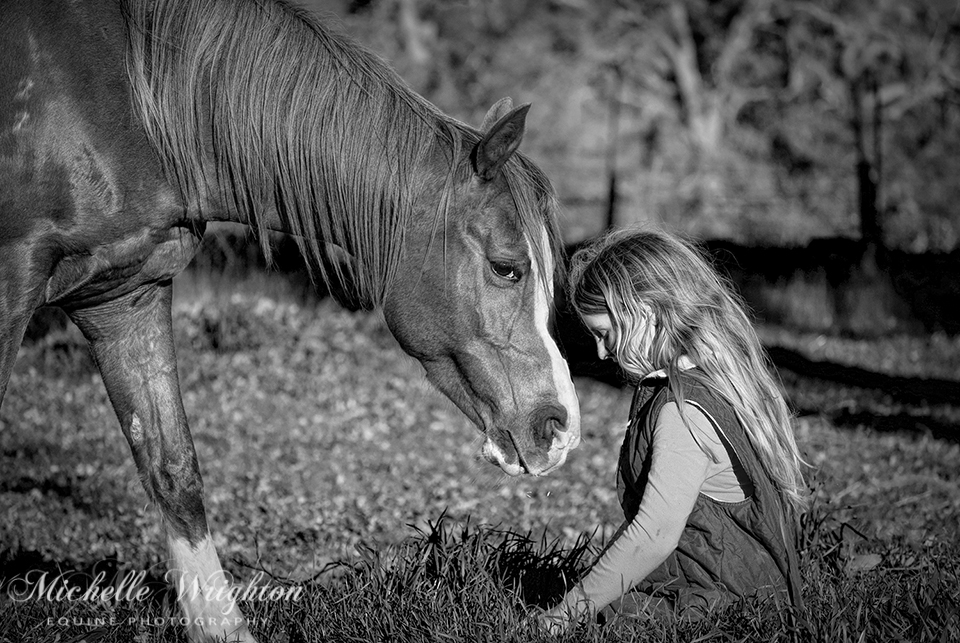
(301, 119)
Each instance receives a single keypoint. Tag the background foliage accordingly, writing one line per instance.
(763, 121)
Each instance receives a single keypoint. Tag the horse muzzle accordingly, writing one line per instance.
(548, 437)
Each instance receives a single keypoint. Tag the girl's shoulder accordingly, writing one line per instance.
(645, 395)
(653, 393)
(690, 427)
(650, 399)
(696, 391)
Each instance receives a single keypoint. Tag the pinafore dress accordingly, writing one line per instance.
(727, 551)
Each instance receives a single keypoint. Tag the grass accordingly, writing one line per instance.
(478, 585)
(330, 468)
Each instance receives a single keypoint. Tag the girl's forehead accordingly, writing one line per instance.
(598, 320)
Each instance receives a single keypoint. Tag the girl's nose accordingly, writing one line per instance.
(602, 350)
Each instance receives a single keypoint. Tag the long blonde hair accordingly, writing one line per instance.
(637, 275)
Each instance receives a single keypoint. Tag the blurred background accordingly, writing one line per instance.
(812, 146)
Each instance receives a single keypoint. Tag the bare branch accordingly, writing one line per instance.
(753, 14)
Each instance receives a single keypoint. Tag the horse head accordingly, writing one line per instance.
(473, 301)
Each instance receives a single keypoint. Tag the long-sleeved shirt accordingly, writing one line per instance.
(685, 462)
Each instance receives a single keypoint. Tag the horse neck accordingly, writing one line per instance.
(360, 201)
(289, 127)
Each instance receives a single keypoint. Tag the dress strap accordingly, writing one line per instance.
(646, 389)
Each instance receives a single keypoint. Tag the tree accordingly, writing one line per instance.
(690, 68)
(870, 66)
(762, 120)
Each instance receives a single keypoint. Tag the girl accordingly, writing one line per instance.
(709, 473)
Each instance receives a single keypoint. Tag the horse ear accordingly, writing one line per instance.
(500, 140)
(495, 113)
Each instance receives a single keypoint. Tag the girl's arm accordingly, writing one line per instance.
(678, 469)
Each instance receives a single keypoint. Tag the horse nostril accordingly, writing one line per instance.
(558, 416)
(550, 421)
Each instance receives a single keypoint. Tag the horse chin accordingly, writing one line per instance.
(493, 454)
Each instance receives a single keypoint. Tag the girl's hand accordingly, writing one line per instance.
(570, 612)
(555, 621)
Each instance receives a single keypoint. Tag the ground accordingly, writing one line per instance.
(316, 435)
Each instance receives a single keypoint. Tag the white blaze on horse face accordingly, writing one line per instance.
(567, 440)
(203, 591)
(563, 441)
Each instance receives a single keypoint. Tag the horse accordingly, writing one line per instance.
(126, 126)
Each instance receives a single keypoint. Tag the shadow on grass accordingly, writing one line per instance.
(26, 484)
(908, 390)
(897, 423)
(919, 405)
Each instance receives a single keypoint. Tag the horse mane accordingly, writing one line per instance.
(301, 119)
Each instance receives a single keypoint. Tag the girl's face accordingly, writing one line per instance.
(603, 333)
(607, 337)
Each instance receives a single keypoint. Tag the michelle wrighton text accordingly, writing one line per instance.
(57, 588)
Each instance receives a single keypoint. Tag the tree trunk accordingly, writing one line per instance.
(867, 302)
(867, 170)
(700, 113)
(613, 138)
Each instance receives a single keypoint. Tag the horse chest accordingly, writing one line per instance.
(112, 270)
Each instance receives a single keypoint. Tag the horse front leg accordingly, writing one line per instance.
(19, 296)
(132, 342)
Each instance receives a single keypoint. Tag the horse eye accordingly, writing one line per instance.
(505, 270)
